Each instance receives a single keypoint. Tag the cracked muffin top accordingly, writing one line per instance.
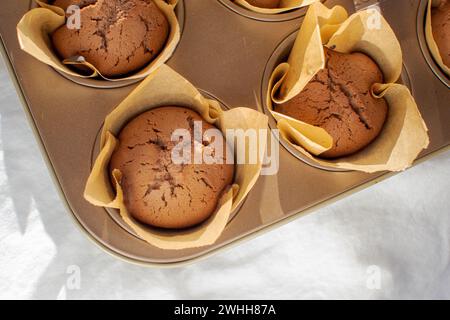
(339, 100)
(116, 36)
(440, 23)
(270, 4)
(159, 191)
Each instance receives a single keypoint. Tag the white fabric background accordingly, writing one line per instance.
(401, 226)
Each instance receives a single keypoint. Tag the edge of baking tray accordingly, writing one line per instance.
(244, 238)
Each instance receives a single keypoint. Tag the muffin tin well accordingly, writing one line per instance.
(421, 17)
(228, 53)
(285, 16)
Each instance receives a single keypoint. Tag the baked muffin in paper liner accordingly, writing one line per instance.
(404, 134)
(36, 26)
(163, 88)
(432, 45)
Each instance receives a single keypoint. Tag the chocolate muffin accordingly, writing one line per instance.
(269, 4)
(116, 36)
(158, 191)
(339, 100)
(66, 3)
(440, 23)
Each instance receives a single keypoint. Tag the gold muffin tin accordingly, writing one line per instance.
(226, 52)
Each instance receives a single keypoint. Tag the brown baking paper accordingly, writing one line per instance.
(404, 135)
(285, 5)
(165, 87)
(37, 25)
(434, 49)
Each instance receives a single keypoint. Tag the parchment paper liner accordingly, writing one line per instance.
(162, 88)
(404, 135)
(432, 45)
(36, 26)
(285, 5)
(45, 4)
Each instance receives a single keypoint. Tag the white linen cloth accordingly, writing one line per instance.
(390, 241)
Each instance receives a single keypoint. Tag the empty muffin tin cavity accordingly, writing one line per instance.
(421, 17)
(279, 56)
